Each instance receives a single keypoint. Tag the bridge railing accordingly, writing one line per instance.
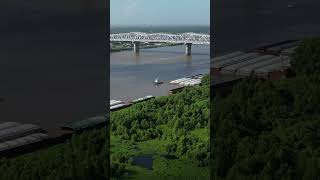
(193, 38)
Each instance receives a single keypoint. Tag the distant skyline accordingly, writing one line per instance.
(163, 12)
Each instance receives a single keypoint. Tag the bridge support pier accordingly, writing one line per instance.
(188, 49)
(136, 47)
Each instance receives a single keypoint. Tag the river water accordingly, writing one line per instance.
(54, 70)
(247, 24)
(243, 24)
(52, 61)
(132, 76)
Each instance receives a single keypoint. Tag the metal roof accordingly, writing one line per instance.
(289, 51)
(233, 60)
(230, 55)
(268, 66)
(18, 131)
(142, 99)
(113, 103)
(30, 139)
(117, 106)
(7, 125)
(260, 64)
(276, 63)
(249, 62)
(273, 67)
(79, 125)
(283, 46)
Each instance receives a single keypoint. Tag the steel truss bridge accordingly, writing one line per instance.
(187, 38)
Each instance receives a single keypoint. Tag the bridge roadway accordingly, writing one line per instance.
(187, 38)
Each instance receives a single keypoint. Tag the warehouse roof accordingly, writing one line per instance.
(7, 125)
(26, 140)
(249, 62)
(233, 60)
(18, 131)
(87, 123)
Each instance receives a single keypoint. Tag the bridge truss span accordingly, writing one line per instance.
(188, 38)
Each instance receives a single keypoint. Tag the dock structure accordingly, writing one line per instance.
(93, 122)
(15, 136)
(117, 105)
(289, 51)
(283, 47)
(261, 62)
(192, 81)
(18, 131)
(232, 69)
(175, 90)
(234, 60)
(115, 102)
(146, 98)
(278, 47)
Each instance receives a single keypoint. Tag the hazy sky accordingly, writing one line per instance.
(158, 12)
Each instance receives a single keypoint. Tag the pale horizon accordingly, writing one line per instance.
(157, 13)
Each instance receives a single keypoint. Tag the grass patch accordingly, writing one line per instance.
(163, 168)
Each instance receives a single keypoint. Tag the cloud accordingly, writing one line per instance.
(130, 7)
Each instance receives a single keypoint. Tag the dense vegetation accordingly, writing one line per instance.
(85, 155)
(270, 129)
(82, 157)
(261, 130)
(170, 119)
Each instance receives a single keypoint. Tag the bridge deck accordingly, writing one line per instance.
(191, 38)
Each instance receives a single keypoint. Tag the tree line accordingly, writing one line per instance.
(181, 113)
(84, 156)
(269, 129)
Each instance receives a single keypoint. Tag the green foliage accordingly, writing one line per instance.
(83, 157)
(205, 81)
(270, 129)
(118, 164)
(307, 57)
(179, 115)
(184, 111)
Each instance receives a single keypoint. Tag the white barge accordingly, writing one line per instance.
(192, 81)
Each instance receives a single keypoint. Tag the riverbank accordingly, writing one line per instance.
(152, 147)
(85, 154)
